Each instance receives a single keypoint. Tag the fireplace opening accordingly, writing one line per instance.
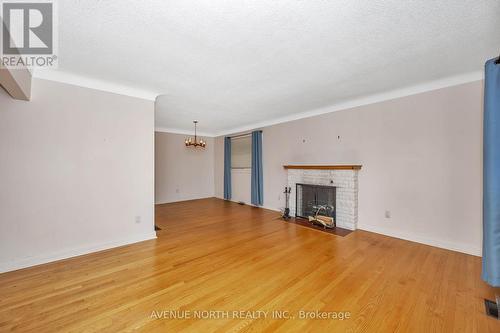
(317, 203)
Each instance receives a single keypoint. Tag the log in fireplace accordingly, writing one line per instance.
(311, 198)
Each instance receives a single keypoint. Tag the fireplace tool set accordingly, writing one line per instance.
(286, 212)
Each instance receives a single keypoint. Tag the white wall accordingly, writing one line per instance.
(421, 157)
(182, 173)
(76, 172)
(241, 185)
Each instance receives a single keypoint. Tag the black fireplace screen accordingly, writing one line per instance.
(309, 197)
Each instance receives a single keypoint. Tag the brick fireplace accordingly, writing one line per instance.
(344, 178)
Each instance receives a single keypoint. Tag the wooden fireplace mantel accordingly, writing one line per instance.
(323, 167)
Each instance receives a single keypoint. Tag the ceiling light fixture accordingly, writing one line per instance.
(194, 143)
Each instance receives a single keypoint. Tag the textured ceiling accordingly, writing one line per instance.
(235, 63)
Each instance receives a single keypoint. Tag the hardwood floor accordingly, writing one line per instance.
(216, 255)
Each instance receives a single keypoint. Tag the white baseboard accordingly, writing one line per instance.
(69, 253)
(423, 239)
(184, 199)
(249, 204)
(271, 208)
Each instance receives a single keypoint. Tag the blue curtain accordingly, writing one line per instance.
(491, 175)
(257, 177)
(227, 168)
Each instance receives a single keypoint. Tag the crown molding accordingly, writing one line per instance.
(91, 83)
(366, 100)
(183, 132)
(86, 82)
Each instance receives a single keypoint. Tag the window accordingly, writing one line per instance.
(241, 153)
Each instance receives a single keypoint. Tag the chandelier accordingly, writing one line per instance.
(190, 142)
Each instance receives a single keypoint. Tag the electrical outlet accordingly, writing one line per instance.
(387, 214)
(137, 219)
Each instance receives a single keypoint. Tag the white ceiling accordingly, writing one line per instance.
(234, 64)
